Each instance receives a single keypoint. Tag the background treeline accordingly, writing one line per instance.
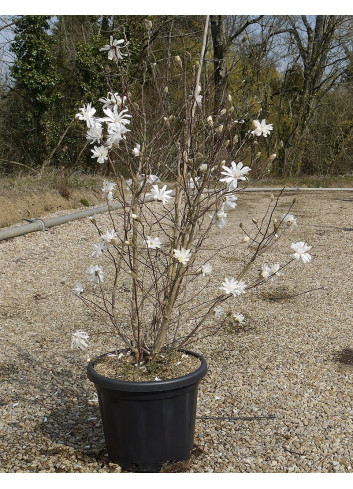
(294, 71)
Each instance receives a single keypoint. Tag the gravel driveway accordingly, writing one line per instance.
(278, 396)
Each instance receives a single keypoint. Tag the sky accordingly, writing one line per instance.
(157, 7)
(186, 7)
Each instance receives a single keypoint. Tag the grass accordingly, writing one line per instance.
(56, 179)
(52, 179)
(315, 181)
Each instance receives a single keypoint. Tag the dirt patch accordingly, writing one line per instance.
(17, 205)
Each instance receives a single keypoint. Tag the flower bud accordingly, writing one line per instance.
(166, 120)
(166, 90)
(258, 155)
(209, 121)
(280, 144)
(229, 97)
(245, 239)
(226, 144)
(241, 225)
(134, 216)
(223, 111)
(219, 128)
(254, 220)
(223, 162)
(148, 24)
(245, 38)
(185, 155)
(178, 61)
(235, 139)
(294, 200)
(231, 109)
(203, 167)
(127, 243)
(272, 157)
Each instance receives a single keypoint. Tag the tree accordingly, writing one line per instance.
(36, 82)
(223, 37)
(316, 47)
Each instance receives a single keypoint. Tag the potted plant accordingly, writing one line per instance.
(176, 172)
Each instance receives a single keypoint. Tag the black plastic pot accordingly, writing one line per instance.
(148, 423)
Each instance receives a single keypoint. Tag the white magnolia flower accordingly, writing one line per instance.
(95, 274)
(152, 179)
(289, 220)
(219, 218)
(199, 99)
(79, 340)
(300, 251)
(98, 249)
(100, 152)
(112, 100)
(115, 136)
(78, 289)
(232, 286)
(110, 237)
(136, 150)
(238, 317)
(149, 180)
(160, 194)
(192, 182)
(108, 189)
(203, 168)
(182, 255)
(206, 269)
(115, 117)
(230, 201)
(87, 113)
(114, 48)
(95, 133)
(270, 270)
(261, 128)
(153, 243)
(234, 173)
(218, 312)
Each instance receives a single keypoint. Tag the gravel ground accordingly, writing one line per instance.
(278, 394)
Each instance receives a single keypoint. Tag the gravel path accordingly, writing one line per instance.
(278, 395)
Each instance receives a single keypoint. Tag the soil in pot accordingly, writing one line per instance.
(121, 365)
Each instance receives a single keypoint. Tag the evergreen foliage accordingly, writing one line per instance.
(303, 88)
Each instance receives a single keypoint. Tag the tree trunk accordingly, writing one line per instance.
(219, 61)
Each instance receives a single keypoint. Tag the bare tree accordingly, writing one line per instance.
(225, 31)
(315, 47)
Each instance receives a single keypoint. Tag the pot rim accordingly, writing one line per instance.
(148, 386)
